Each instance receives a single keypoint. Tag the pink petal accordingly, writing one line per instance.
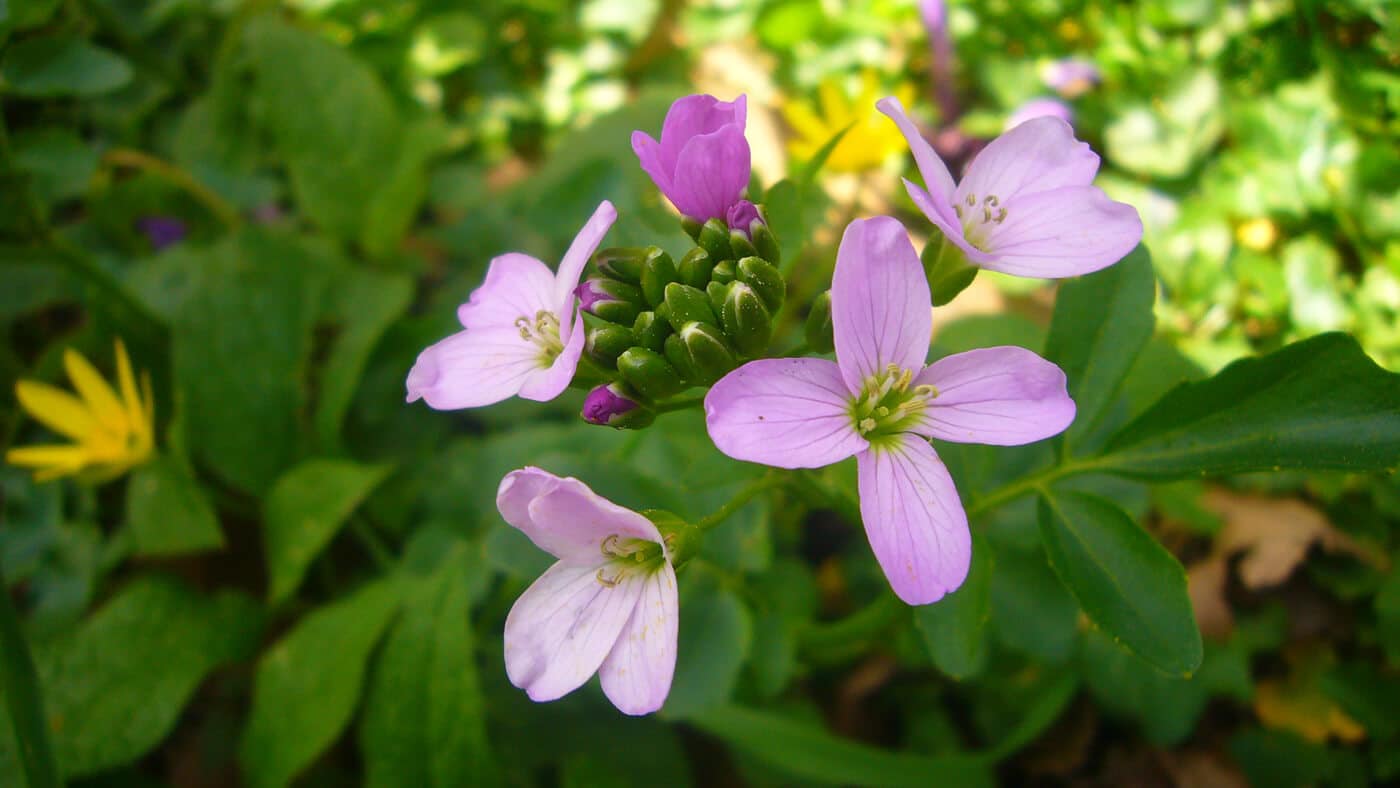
(880, 304)
(648, 153)
(711, 174)
(1036, 156)
(637, 674)
(935, 173)
(544, 385)
(914, 520)
(1004, 396)
(1065, 232)
(472, 368)
(583, 247)
(786, 412)
(933, 209)
(694, 116)
(517, 285)
(562, 628)
(565, 518)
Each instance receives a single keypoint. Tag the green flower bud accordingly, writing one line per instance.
(658, 270)
(723, 272)
(740, 243)
(623, 263)
(819, 335)
(691, 227)
(649, 373)
(676, 353)
(682, 539)
(688, 305)
(765, 279)
(694, 269)
(605, 342)
(716, 292)
(709, 354)
(765, 242)
(947, 269)
(746, 321)
(610, 299)
(714, 238)
(651, 330)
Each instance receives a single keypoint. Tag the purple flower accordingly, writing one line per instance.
(607, 606)
(608, 405)
(162, 231)
(1070, 76)
(523, 331)
(1040, 108)
(935, 16)
(741, 217)
(1027, 205)
(879, 402)
(702, 161)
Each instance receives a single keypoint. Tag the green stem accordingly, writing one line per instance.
(20, 685)
(374, 546)
(737, 502)
(840, 640)
(1029, 484)
(680, 404)
(217, 206)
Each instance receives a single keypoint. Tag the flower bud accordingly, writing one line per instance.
(649, 373)
(708, 352)
(740, 243)
(714, 238)
(716, 292)
(947, 270)
(658, 270)
(765, 279)
(651, 330)
(691, 227)
(676, 353)
(605, 342)
(614, 405)
(819, 333)
(741, 217)
(766, 243)
(746, 321)
(688, 305)
(614, 301)
(694, 269)
(723, 272)
(623, 263)
(682, 539)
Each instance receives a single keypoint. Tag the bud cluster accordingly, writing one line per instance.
(664, 326)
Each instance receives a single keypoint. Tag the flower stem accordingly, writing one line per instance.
(680, 404)
(839, 640)
(1029, 484)
(738, 501)
(177, 176)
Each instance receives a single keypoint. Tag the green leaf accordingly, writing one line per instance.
(954, 628)
(424, 721)
(1315, 404)
(811, 754)
(22, 716)
(947, 269)
(60, 163)
(62, 65)
(1102, 322)
(1032, 613)
(1126, 582)
(307, 685)
(713, 643)
(115, 686)
(166, 511)
(304, 511)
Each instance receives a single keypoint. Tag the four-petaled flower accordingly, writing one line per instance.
(880, 403)
(523, 331)
(1027, 205)
(607, 606)
(701, 163)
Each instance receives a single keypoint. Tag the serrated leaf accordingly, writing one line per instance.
(955, 628)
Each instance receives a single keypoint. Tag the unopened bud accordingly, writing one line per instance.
(676, 353)
(688, 305)
(723, 272)
(691, 227)
(658, 270)
(605, 342)
(746, 321)
(649, 373)
(709, 354)
(694, 269)
(717, 292)
(766, 242)
(610, 299)
(651, 330)
(615, 405)
(714, 238)
(765, 279)
(621, 262)
(740, 243)
(819, 333)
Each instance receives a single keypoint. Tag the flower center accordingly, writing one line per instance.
(978, 219)
(887, 405)
(543, 331)
(626, 555)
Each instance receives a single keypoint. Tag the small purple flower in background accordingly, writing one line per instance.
(608, 405)
(607, 606)
(702, 162)
(523, 331)
(1040, 108)
(1071, 76)
(880, 403)
(162, 231)
(935, 16)
(1026, 206)
(741, 217)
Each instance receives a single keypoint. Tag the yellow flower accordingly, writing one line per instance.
(111, 433)
(869, 143)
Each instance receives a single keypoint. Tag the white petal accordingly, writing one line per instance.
(637, 674)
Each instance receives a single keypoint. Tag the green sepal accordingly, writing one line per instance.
(623, 301)
(691, 227)
(947, 269)
(747, 322)
(623, 263)
(818, 330)
(649, 373)
(741, 245)
(694, 269)
(765, 279)
(688, 305)
(714, 238)
(708, 351)
(723, 272)
(765, 242)
(651, 330)
(658, 270)
(605, 342)
(682, 539)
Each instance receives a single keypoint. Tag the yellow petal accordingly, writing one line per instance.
(101, 400)
(57, 409)
(51, 461)
(148, 421)
(835, 107)
(804, 121)
(135, 413)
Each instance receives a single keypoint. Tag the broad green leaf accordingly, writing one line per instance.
(58, 161)
(62, 65)
(24, 735)
(1126, 582)
(1316, 404)
(166, 511)
(1101, 323)
(714, 640)
(304, 510)
(947, 269)
(811, 754)
(1032, 613)
(424, 721)
(308, 684)
(955, 627)
(1049, 701)
(115, 686)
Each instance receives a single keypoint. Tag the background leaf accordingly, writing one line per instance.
(62, 65)
(955, 628)
(166, 511)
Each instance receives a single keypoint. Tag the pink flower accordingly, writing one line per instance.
(702, 162)
(608, 606)
(1040, 108)
(1070, 76)
(880, 403)
(523, 331)
(1026, 206)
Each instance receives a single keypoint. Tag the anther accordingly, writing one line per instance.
(866, 425)
(971, 200)
(609, 582)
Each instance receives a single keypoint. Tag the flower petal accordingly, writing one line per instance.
(693, 116)
(50, 461)
(636, 675)
(582, 248)
(562, 628)
(1004, 396)
(914, 519)
(1065, 232)
(711, 174)
(648, 153)
(98, 395)
(517, 285)
(571, 521)
(787, 412)
(935, 173)
(933, 209)
(473, 368)
(1036, 156)
(56, 409)
(880, 304)
(543, 385)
